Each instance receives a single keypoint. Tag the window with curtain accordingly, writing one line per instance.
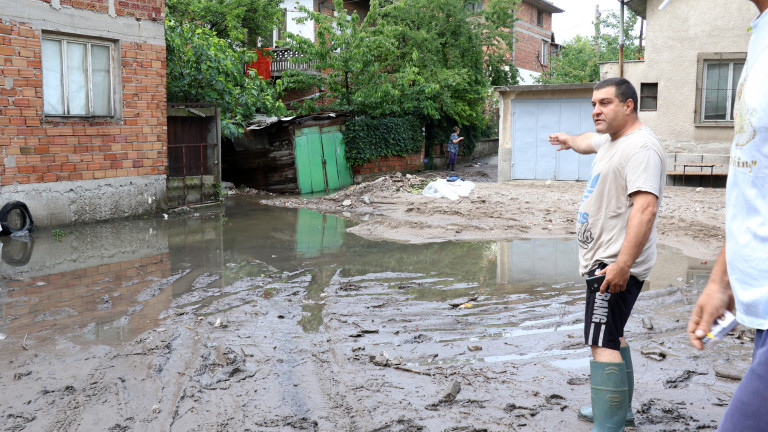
(719, 90)
(717, 81)
(77, 78)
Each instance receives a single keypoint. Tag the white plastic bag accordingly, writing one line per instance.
(451, 190)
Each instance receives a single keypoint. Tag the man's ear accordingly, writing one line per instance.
(629, 106)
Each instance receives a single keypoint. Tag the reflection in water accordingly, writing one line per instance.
(110, 282)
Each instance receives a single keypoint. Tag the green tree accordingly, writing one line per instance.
(241, 22)
(578, 60)
(496, 33)
(202, 67)
(424, 58)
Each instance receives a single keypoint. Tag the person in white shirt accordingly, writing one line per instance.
(739, 278)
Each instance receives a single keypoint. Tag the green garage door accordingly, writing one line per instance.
(320, 162)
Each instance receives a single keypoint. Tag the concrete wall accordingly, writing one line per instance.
(675, 38)
(83, 169)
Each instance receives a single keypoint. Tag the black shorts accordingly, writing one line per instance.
(607, 314)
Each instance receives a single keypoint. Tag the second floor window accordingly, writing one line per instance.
(77, 77)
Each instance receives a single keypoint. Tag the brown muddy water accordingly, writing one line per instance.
(250, 317)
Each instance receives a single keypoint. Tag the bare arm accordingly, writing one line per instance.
(579, 143)
(713, 301)
(639, 227)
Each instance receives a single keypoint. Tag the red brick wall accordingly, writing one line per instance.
(80, 150)
(528, 46)
(153, 10)
(414, 162)
(52, 151)
(83, 291)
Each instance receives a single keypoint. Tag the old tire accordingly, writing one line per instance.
(16, 251)
(15, 217)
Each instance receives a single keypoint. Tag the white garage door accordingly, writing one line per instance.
(533, 157)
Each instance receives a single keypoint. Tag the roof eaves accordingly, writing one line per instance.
(544, 5)
(639, 7)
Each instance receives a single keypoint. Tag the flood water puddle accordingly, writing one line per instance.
(107, 283)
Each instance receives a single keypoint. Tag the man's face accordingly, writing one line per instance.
(610, 115)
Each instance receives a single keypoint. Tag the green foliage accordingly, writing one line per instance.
(202, 67)
(578, 61)
(437, 133)
(58, 234)
(367, 138)
(422, 58)
(242, 22)
(495, 29)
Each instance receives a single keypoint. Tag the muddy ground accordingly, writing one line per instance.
(379, 361)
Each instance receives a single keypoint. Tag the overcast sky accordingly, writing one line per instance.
(578, 17)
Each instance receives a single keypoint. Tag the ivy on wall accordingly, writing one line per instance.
(368, 138)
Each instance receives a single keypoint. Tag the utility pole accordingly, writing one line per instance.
(597, 30)
(621, 40)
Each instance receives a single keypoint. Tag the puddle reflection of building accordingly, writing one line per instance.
(553, 261)
(95, 283)
(537, 261)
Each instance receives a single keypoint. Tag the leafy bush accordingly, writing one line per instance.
(368, 138)
(205, 68)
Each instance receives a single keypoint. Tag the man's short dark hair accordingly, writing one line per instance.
(624, 90)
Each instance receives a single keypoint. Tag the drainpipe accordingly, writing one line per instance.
(621, 41)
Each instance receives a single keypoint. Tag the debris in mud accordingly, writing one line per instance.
(520, 411)
(419, 338)
(578, 381)
(554, 399)
(681, 379)
(735, 375)
(475, 347)
(647, 323)
(400, 425)
(452, 392)
(656, 411)
(363, 332)
(654, 354)
(460, 302)
(383, 359)
(746, 335)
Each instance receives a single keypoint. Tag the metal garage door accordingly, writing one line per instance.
(533, 157)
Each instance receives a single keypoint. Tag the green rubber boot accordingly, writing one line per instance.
(585, 413)
(609, 396)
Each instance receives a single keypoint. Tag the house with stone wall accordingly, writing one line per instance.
(694, 53)
(83, 108)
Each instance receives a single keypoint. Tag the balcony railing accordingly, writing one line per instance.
(281, 61)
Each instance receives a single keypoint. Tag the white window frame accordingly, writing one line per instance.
(544, 46)
(705, 59)
(115, 92)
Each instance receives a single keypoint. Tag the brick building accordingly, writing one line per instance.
(534, 40)
(83, 108)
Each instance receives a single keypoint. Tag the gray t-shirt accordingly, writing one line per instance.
(634, 162)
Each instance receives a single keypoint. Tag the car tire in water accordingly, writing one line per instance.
(15, 217)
